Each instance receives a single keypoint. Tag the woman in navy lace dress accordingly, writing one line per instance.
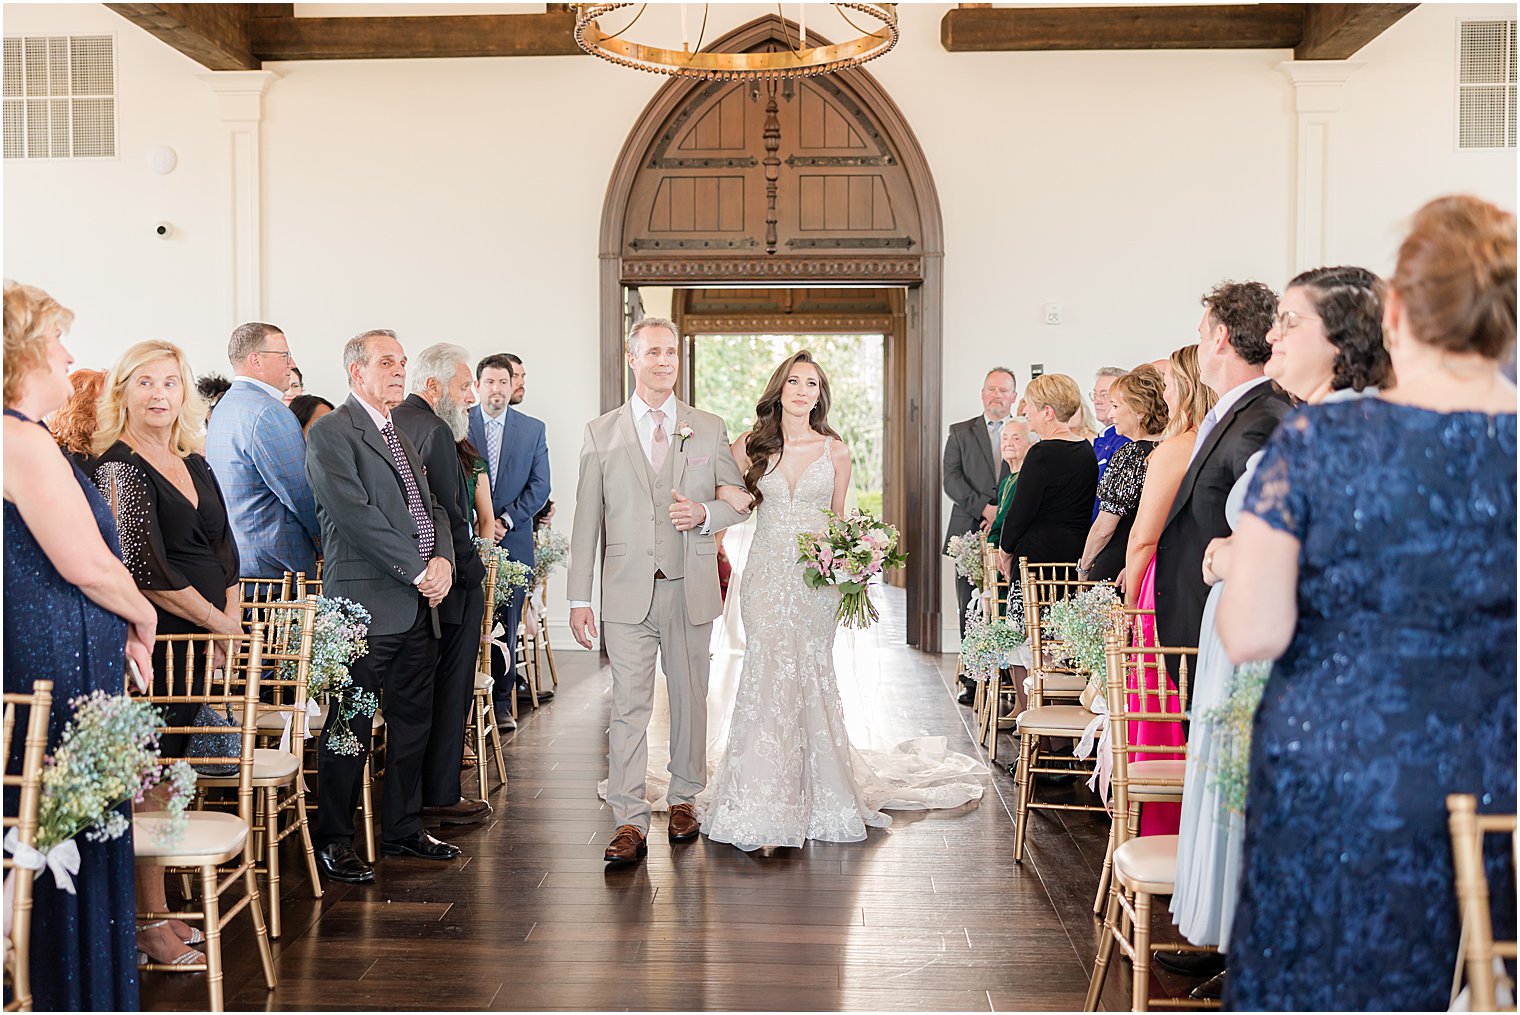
(72, 615)
(1376, 563)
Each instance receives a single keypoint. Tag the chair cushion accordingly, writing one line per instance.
(210, 837)
(1055, 720)
(1156, 780)
(1148, 864)
(1065, 685)
(484, 681)
(269, 767)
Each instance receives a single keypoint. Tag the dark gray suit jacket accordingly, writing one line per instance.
(369, 540)
(440, 459)
(972, 474)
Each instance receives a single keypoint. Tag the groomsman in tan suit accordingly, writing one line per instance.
(650, 473)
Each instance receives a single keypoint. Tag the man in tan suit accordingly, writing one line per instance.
(650, 474)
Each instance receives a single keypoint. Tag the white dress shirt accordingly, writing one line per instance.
(274, 392)
(1226, 402)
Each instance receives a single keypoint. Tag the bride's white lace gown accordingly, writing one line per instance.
(788, 772)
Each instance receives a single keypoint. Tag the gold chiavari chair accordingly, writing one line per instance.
(1043, 585)
(483, 714)
(987, 702)
(193, 676)
(1151, 780)
(279, 787)
(1144, 867)
(18, 944)
(265, 590)
(540, 595)
(1479, 955)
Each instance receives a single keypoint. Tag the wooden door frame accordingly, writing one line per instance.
(922, 273)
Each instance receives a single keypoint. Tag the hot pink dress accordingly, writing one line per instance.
(1155, 818)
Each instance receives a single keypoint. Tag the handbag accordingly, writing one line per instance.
(216, 745)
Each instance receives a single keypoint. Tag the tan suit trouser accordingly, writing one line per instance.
(682, 650)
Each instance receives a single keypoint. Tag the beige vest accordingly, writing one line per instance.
(669, 546)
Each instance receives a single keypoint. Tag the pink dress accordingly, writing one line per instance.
(1155, 818)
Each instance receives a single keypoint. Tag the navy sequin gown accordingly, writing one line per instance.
(84, 950)
(1397, 688)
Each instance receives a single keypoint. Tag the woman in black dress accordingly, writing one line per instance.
(1052, 503)
(174, 533)
(72, 615)
(1139, 401)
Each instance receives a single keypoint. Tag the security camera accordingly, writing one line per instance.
(163, 230)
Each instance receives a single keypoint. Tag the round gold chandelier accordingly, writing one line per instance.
(796, 60)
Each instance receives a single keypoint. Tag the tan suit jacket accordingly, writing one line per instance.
(616, 492)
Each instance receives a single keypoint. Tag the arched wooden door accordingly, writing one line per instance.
(814, 182)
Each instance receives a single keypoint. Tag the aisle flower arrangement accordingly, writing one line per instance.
(107, 756)
(510, 574)
(1230, 760)
(988, 647)
(339, 633)
(966, 552)
(848, 554)
(550, 551)
(1081, 624)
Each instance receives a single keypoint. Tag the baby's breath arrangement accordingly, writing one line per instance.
(510, 574)
(1230, 760)
(988, 647)
(550, 551)
(338, 637)
(1081, 624)
(966, 551)
(107, 756)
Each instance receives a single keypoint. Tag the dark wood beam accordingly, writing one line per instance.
(272, 10)
(548, 34)
(1233, 26)
(1338, 31)
(213, 35)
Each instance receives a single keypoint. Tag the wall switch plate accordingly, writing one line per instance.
(1051, 313)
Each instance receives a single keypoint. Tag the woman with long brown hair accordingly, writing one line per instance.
(788, 772)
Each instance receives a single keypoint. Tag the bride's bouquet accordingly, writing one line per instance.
(853, 550)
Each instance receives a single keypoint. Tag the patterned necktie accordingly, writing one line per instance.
(493, 447)
(659, 445)
(414, 506)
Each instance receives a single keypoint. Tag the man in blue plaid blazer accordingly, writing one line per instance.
(258, 454)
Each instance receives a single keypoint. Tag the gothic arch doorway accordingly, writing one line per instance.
(816, 182)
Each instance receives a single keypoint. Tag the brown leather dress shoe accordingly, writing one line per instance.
(627, 845)
(464, 812)
(683, 823)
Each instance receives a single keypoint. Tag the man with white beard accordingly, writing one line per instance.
(436, 416)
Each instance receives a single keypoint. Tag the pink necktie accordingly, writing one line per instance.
(660, 445)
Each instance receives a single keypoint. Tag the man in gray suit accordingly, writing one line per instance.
(388, 547)
(649, 475)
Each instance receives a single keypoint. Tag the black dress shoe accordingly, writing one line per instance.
(462, 812)
(523, 694)
(340, 863)
(967, 696)
(1211, 989)
(1191, 963)
(422, 845)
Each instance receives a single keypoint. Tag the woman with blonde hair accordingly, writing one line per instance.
(175, 538)
(74, 616)
(1052, 503)
(1140, 415)
(73, 425)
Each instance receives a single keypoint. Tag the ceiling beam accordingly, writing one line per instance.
(1338, 31)
(213, 35)
(378, 38)
(1226, 26)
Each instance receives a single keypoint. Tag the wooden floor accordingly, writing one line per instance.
(931, 914)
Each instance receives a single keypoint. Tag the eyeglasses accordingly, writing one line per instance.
(272, 352)
(1289, 319)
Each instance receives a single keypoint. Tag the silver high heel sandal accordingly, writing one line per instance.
(187, 958)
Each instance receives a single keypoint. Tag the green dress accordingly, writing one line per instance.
(1005, 498)
(471, 476)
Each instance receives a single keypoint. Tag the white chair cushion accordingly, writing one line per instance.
(1055, 720)
(269, 766)
(1067, 685)
(1148, 864)
(1156, 780)
(484, 681)
(210, 836)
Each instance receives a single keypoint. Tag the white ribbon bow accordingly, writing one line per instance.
(1097, 729)
(62, 860)
(313, 711)
(498, 633)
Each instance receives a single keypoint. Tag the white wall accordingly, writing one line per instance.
(460, 199)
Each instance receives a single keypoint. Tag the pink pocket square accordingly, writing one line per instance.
(699, 460)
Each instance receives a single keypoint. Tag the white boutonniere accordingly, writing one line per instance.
(684, 432)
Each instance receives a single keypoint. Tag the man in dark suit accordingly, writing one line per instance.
(1232, 349)
(388, 547)
(517, 457)
(974, 467)
(436, 416)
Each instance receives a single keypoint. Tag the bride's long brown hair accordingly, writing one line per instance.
(765, 440)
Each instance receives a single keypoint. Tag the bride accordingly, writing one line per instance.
(788, 772)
